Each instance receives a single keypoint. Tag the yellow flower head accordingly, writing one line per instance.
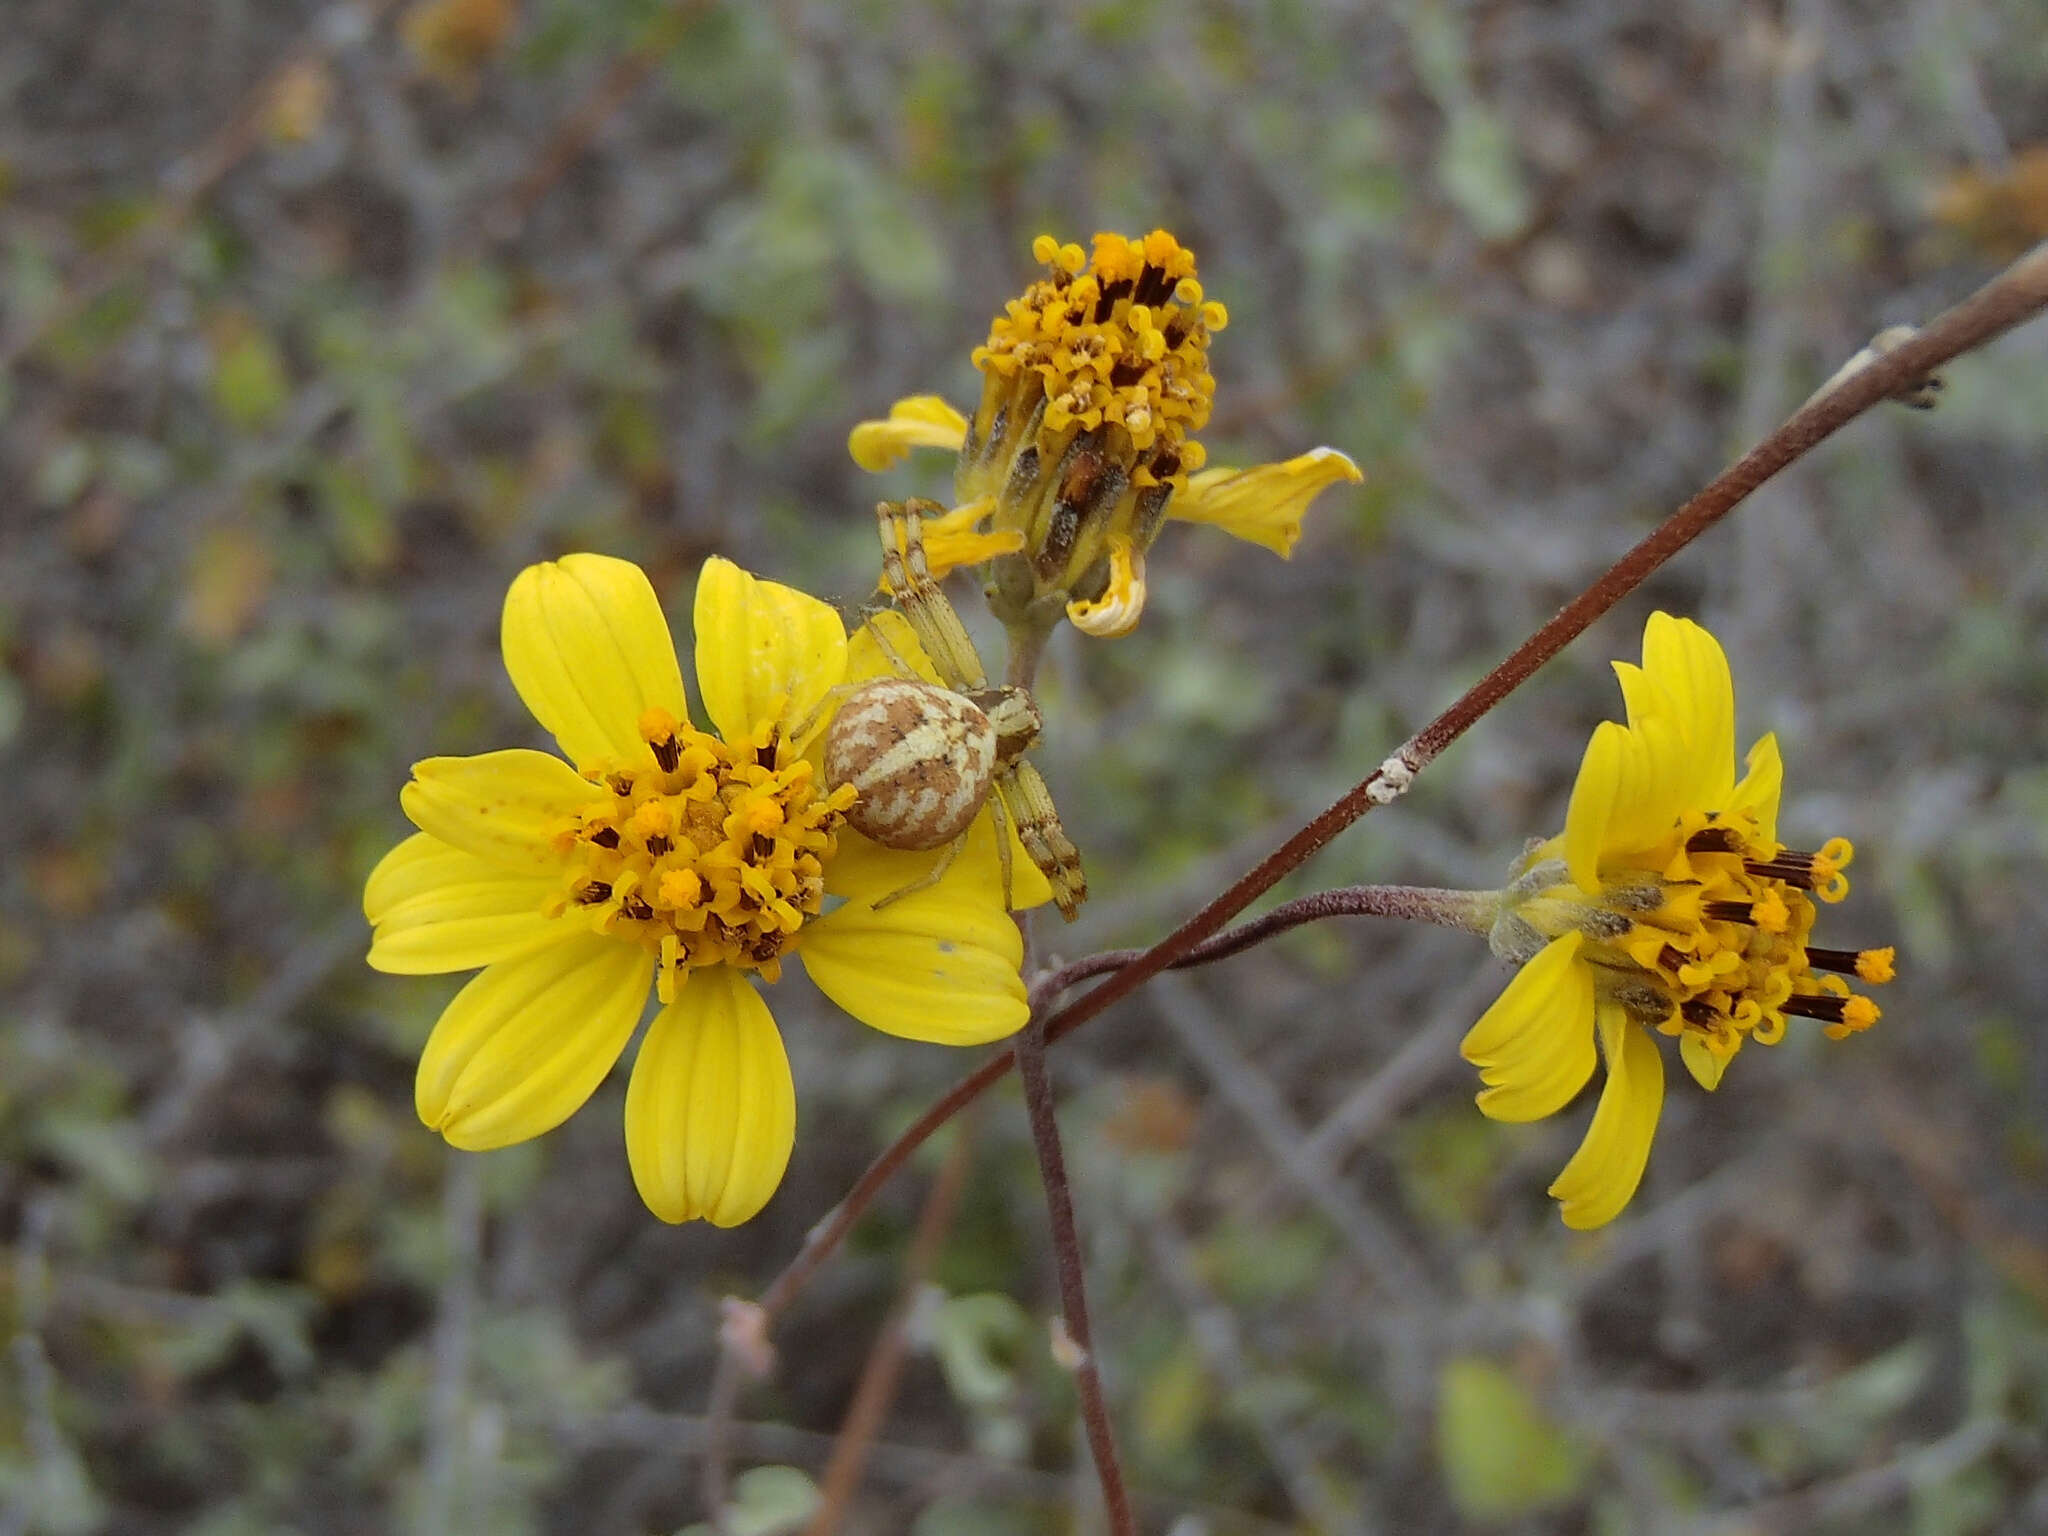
(1095, 381)
(1666, 905)
(697, 860)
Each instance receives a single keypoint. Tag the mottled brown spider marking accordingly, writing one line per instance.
(921, 757)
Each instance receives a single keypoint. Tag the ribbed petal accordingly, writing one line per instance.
(764, 652)
(921, 421)
(505, 807)
(1706, 1068)
(436, 908)
(1534, 1046)
(1762, 785)
(940, 964)
(1594, 792)
(1663, 781)
(1263, 505)
(711, 1109)
(589, 652)
(1602, 1176)
(1690, 665)
(524, 1044)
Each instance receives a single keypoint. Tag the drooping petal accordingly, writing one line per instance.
(436, 908)
(1603, 1174)
(589, 652)
(938, 964)
(1761, 786)
(524, 1044)
(765, 652)
(921, 421)
(1690, 665)
(711, 1108)
(1263, 505)
(1706, 1067)
(505, 807)
(1534, 1046)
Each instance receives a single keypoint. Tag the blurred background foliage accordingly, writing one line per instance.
(320, 320)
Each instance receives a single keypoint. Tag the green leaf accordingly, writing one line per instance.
(249, 381)
(766, 1501)
(1501, 1455)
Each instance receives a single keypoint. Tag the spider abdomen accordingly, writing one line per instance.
(921, 756)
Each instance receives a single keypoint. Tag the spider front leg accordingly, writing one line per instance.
(1023, 791)
(923, 601)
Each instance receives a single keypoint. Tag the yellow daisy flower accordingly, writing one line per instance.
(1095, 381)
(690, 859)
(1667, 905)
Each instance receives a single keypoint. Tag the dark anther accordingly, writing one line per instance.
(1670, 959)
(1714, 840)
(637, 909)
(668, 752)
(1111, 292)
(765, 753)
(606, 837)
(1126, 373)
(1795, 869)
(764, 846)
(1824, 1006)
(593, 893)
(658, 845)
(621, 782)
(1177, 331)
(1153, 285)
(1699, 1011)
(1729, 911)
(1843, 960)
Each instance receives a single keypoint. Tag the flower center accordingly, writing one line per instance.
(714, 856)
(1094, 381)
(1714, 944)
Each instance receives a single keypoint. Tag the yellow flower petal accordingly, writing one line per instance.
(867, 659)
(436, 908)
(1603, 1174)
(711, 1109)
(1664, 771)
(1534, 1046)
(1594, 792)
(506, 807)
(589, 652)
(922, 421)
(1761, 786)
(765, 652)
(1263, 505)
(1706, 1068)
(1689, 664)
(940, 964)
(524, 1044)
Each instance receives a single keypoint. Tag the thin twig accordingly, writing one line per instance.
(879, 1375)
(2015, 295)
(1066, 1248)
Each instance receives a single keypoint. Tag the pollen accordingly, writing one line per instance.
(1715, 945)
(716, 857)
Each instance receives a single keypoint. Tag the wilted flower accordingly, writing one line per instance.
(1668, 905)
(696, 860)
(1082, 448)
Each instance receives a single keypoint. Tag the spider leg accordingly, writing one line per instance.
(1001, 810)
(930, 877)
(923, 601)
(1039, 830)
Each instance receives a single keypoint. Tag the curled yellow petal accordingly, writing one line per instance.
(525, 1043)
(589, 652)
(765, 652)
(1117, 611)
(1701, 1061)
(1263, 505)
(436, 908)
(1603, 1174)
(711, 1108)
(1534, 1046)
(921, 421)
(505, 807)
